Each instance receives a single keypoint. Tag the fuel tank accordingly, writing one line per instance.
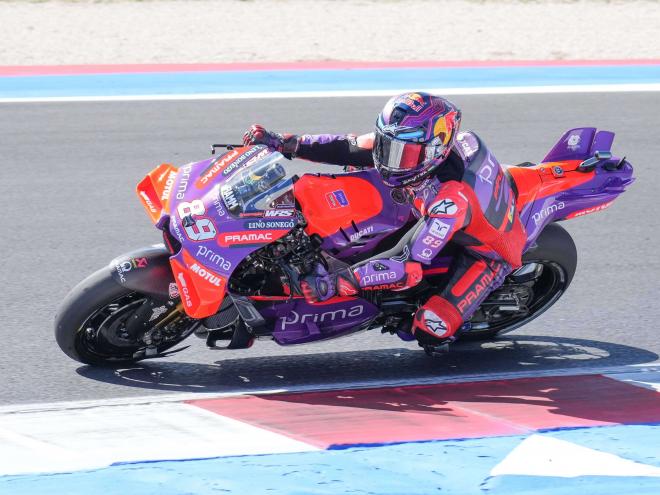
(352, 212)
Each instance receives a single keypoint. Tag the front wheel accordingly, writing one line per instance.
(528, 292)
(103, 323)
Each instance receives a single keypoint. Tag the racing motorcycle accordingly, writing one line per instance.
(238, 235)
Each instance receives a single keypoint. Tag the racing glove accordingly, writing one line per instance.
(388, 274)
(287, 144)
(320, 285)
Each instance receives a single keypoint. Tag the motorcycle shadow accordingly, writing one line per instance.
(379, 367)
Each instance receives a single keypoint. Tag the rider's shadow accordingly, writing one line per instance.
(381, 367)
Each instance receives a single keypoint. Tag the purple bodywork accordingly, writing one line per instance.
(592, 195)
(247, 220)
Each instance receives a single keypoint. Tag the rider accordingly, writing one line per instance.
(458, 191)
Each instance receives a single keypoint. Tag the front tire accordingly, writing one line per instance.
(90, 326)
(554, 258)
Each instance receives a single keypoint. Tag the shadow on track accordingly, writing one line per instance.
(525, 353)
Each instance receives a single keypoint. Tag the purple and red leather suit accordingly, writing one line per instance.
(468, 200)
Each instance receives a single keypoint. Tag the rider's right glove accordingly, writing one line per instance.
(320, 285)
(287, 144)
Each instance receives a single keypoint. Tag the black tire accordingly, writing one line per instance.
(556, 252)
(86, 300)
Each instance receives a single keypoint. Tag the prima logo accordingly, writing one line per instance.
(487, 171)
(183, 183)
(213, 257)
(378, 277)
(546, 212)
(327, 317)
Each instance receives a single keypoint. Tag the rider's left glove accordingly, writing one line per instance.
(320, 285)
(287, 144)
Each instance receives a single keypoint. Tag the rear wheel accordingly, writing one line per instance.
(103, 323)
(528, 292)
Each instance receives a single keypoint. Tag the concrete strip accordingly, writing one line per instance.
(73, 440)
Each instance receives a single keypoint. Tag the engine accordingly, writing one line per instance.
(275, 268)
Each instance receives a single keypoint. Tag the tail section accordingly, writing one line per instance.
(579, 176)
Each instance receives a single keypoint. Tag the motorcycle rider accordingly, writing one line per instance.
(458, 191)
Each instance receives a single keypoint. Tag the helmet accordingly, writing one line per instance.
(414, 135)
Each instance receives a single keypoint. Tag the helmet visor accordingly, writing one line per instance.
(395, 155)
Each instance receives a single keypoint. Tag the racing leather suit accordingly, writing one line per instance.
(469, 199)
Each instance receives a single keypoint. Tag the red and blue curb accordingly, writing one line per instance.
(541, 435)
(318, 78)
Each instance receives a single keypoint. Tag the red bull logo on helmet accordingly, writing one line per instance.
(414, 100)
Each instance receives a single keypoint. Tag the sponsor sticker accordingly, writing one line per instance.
(337, 199)
(439, 228)
(278, 213)
(126, 265)
(573, 142)
(362, 232)
(216, 166)
(256, 237)
(426, 253)
(444, 207)
(245, 160)
(228, 196)
(210, 277)
(169, 184)
(270, 224)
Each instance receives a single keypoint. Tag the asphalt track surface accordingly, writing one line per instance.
(68, 174)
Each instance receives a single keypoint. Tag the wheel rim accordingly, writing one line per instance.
(103, 336)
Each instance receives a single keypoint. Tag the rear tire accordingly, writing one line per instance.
(91, 316)
(555, 251)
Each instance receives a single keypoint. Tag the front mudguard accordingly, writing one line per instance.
(146, 270)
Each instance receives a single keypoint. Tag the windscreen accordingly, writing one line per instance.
(258, 187)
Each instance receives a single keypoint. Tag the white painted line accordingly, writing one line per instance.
(70, 440)
(540, 455)
(619, 372)
(575, 88)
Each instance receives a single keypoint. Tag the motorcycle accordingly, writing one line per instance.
(238, 234)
